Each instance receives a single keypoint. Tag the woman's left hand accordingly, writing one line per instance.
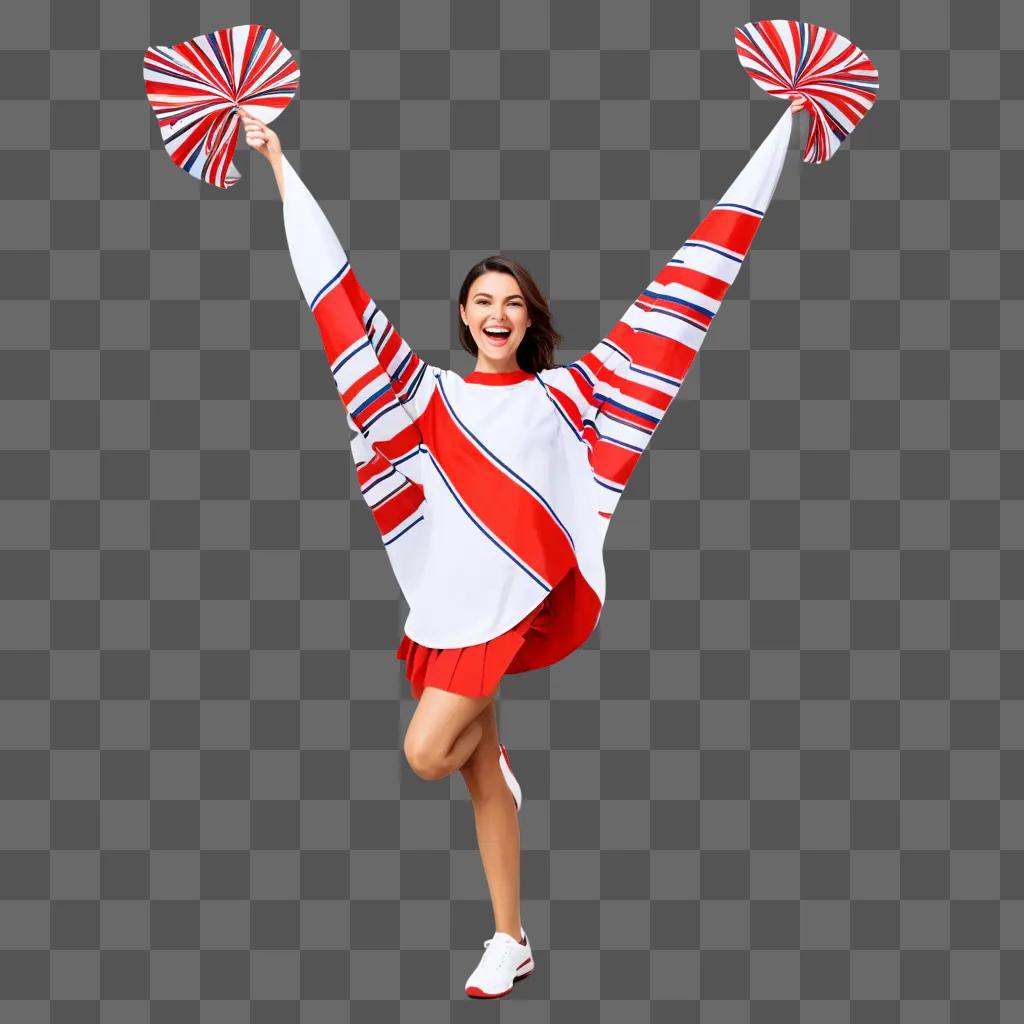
(798, 104)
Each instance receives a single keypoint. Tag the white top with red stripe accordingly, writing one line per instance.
(493, 491)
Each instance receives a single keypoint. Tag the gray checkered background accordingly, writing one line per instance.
(784, 779)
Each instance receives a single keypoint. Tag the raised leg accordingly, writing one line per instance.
(443, 732)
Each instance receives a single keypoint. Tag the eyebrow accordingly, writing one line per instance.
(488, 295)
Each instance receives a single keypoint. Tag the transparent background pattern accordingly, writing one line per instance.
(784, 779)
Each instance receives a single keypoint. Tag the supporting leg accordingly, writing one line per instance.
(497, 824)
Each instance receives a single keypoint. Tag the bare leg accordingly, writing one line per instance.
(443, 732)
(497, 824)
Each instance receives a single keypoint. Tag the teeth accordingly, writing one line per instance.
(501, 332)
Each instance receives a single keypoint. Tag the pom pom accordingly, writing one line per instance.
(793, 59)
(196, 88)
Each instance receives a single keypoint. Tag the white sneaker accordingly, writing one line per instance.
(510, 779)
(504, 962)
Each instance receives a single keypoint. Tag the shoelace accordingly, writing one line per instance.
(500, 961)
(505, 950)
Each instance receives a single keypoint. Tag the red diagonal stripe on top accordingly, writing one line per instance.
(511, 512)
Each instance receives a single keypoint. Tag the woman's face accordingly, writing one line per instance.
(496, 302)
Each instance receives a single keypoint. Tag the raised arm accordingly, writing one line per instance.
(382, 383)
(618, 392)
(379, 380)
(374, 368)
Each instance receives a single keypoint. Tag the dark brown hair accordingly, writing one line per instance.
(537, 349)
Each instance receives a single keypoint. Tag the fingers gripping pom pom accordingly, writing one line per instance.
(795, 58)
(196, 88)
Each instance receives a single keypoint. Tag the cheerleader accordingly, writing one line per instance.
(493, 493)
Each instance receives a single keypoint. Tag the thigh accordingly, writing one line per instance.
(439, 718)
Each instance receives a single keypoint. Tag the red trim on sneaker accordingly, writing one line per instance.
(481, 994)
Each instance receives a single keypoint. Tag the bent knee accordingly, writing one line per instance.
(424, 761)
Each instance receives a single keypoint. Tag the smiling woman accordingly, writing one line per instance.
(493, 493)
(499, 292)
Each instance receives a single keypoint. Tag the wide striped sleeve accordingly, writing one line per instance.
(382, 383)
(618, 392)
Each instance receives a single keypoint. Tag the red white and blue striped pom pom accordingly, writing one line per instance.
(197, 86)
(793, 59)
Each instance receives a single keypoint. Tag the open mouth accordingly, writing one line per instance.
(497, 336)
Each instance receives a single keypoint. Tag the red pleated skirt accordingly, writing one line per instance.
(473, 671)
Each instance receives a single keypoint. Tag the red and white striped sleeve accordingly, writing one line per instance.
(382, 383)
(617, 393)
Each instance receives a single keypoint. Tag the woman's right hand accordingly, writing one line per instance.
(261, 138)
